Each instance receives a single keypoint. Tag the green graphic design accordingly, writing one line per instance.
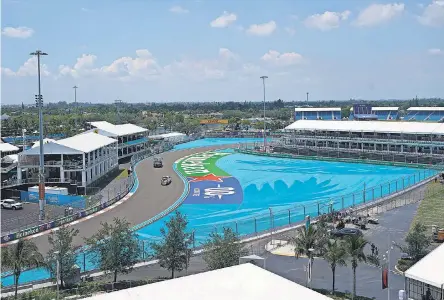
(201, 164)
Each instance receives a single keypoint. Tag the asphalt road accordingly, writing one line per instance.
(149, 200)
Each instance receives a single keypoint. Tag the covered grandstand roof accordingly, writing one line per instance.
(368, 126)
(6, 147)
(429, 269)
(166, 135)
(81, 143)
(426, 108)
(245, 281)
(118, 130)
(381, 108)
(317, 109)
(45, 141)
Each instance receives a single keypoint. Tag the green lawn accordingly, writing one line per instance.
(431, 209)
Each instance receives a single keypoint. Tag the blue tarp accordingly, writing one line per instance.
(54, 199)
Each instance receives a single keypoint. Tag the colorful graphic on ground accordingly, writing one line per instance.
(208, 184)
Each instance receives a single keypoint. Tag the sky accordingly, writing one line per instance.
(216, 50)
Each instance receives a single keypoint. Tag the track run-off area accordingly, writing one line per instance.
(216, 187)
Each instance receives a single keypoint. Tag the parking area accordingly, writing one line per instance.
(393, 226)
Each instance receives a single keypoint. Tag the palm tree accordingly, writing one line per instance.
(335, 254)
(20, 256)
(354, 246)
(305, 240)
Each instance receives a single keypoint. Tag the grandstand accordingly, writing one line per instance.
(412, 142)
(382, 113)
(317, 113)
(433, 114)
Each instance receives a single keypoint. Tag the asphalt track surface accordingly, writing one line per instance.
(149, 200)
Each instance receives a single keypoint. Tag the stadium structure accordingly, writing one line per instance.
(381, 113)
(403, 142)
(433, 114)
(317, 113)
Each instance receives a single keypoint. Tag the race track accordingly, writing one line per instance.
(149, 200)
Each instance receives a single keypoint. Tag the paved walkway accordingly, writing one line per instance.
(149, 200)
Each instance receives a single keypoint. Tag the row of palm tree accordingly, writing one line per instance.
(315, 240)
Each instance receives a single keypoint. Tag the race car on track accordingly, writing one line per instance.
(11, 204)
(157, 163)
(166, 180)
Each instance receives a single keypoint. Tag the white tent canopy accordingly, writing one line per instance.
(245, 281)
(430, 269)
(6, 147)
(368, 126)
(118, 130)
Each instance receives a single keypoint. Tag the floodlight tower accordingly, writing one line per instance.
(39, 104)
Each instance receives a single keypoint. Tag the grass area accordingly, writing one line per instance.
(123, 174)
(431, 209)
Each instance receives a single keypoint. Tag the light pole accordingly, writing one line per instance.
(57, 272)
(309, 267)
(39, 104)
(265, 138)
(387, 259)
(307, 96)
(75, 105)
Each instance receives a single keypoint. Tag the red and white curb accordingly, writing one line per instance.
(129, 195)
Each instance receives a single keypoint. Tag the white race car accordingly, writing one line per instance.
(166, 180)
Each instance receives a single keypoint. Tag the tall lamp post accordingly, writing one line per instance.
(39, 104)
(75, 104)
(265, 137)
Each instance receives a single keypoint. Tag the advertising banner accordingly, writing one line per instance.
(213, 121)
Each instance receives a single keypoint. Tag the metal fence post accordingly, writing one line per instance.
(373, 194)
(319, 212)
(304, 211)
(381, 190)
(193, 235)
(236, 228)
(143, 250)
(353, 200)
(255, 226)
(289, 217)
(84, 262)
(342, 200)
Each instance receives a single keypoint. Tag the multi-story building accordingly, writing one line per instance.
(131, 138)
(82, 159)
(410, 142)
(317, 113)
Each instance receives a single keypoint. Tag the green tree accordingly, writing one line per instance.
(416, 242)
(19, 257)
(305, 241)
(172, 249)
(354, 246)
(335, 255)
(62, 250)
(223, 250)
(114, 247)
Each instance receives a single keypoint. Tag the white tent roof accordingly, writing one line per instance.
(118, 130)
(45, 141)
(426, 108)
(368, 126)
(166, 135)
(81, 143)
(86, 142)
(317, 109)
(11, 158)
(245, 281)
(430, 269)
(6, 147)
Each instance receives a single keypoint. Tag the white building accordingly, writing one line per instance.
(82, 159)
(245, 281)
(173, 137)
(427, 276)
(8, 160)
(131, 138)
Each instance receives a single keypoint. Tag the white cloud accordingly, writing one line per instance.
(225, 20)
(291, 31)
(179, 10)
(275, 58)
(20, 32)
(29, 68)
(326, 21)
(198, 70)
(264, 29)
(435, 51)
(377, 14)
(433, 14)
(83, 66)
